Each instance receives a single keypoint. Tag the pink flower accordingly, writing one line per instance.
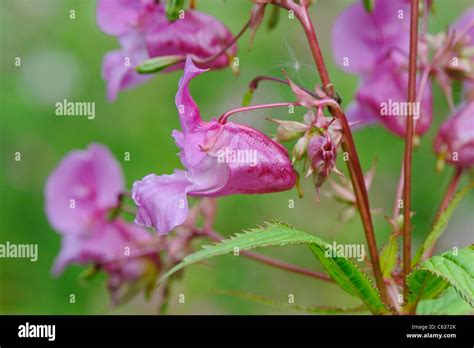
(360, 38)
(82, 188)
(80, 193)
(104, 241)
(115, 247)
(219, 158)
(463, 25)
(455, 140)
(381, 97)
(465, 30)
(144, 32)
(374, 45)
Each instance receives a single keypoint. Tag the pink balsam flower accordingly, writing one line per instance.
(144, 32)
(464, 29)
(374, 45)
(454, 142)
(382, 98)
(83, 188)
(360, 37)
(219, 158)
(80, 193)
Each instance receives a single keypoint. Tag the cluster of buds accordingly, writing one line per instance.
(317, 138)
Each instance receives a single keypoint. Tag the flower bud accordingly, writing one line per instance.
(300, 148)
(289, 130)
(322, 157)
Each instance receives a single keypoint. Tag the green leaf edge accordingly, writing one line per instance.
(441, 223)
(376, 306)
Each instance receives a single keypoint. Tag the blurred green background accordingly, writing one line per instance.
(61, 59)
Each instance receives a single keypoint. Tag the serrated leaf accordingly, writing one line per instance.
(448, 304)
(154, 65)
(388, 256)
(433, 276)
(350, 278)
(343, 271)
(440, 225)
(289, 306)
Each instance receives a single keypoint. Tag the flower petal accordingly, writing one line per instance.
(104, 242)
(161, 200)
(118, 67)
(83, 187)
(360, 37)
(188, 110)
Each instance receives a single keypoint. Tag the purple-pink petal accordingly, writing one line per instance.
(119, 17)
(82, 188)
(103, 243)
(455, 139)
(360, 37)
(161, 200)
(118, 67)
(387, 85)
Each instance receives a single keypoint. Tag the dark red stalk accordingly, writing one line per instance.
(355, 170)
(253, 85)
(407, 163)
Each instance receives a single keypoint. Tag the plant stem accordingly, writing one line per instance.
(253, 85)
(225, 48)
(450, 191)
(223, 118)
(412, 67)
(270, 261)
(448, 196)
(355, 170)
(398, 195)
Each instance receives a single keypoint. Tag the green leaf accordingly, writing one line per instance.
(388, 256)
(440, 225)
(343, 271)
(448, 304)
(173, 9)
(369, 5)
(350, 278)
(157, 64)
(289, 306)
(433, 276)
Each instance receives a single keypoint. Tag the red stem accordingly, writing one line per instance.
(225, 48)
(253, 85)
(355, 169)
(412, 67)
(450, 191)
(223, 118)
